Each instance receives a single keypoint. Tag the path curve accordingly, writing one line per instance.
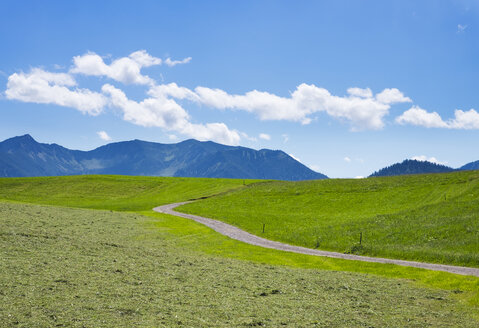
(241, 235)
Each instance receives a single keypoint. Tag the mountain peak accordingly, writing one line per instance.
(25, 139)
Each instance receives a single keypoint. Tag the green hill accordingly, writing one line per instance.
(113, 192)
(431, 218)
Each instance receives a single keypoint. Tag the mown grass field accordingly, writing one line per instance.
(431, 218)
(62, 266)
(91, 268)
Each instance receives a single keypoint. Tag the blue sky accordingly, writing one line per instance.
(345, 86)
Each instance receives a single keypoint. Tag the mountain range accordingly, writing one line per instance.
(24, 157)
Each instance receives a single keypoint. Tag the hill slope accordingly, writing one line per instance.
(411, 166)
(470, 166)
(427, 217)
(24, 157)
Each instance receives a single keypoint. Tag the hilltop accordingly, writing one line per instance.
(411, 166)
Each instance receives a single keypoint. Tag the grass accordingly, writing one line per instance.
(431, 218)
(92, 268)
(118, 193)
(59, 266)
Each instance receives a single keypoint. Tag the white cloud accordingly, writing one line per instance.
(171, 63)
(43, 87)
(126, 69)
(362, 93)
(362, 113)
(160, 112)
(103, 135)
(359, 108)
(392, 96)
(172, 90)
(461, 28)
(285, 138)
(167, 114)
(359, 177)
(347, 159)
(418, 116)
(464, 120)
(172, 137)
(264, 136)
(142, 58)
(423, 158)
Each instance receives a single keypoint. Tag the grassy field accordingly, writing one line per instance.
(118, 193)
(432, 218)
(91, 268)
(104, 268)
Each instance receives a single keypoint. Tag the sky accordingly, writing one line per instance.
(346, 87)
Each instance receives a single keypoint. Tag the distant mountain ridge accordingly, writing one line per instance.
(410, 166)
(470, 166)
(23, 156)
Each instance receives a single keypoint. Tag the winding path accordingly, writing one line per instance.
(241, 235)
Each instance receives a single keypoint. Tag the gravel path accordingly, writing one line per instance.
(241, 235)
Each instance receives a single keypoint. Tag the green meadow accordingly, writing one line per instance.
(430, 218)
(93, 254)
(118, 193)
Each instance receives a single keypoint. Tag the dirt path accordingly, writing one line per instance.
(241, 235)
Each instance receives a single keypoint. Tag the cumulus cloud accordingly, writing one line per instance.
(103, 135)
(159, 110)
(126, 69)
(392, 96)
(44, 87)
(424, 158)
(347, 159)
(360, 108)
(418, 116)
(464, 120)
(264, 136)
(168, 114)
(172, 90)
(163, 106)
(362, 93)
